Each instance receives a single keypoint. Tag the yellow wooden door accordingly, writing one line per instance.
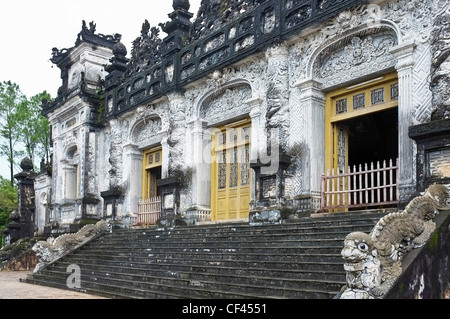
(340, 148)
(230, 173)
(340, 154)
(151, 172)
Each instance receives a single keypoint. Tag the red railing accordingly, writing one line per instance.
(360, 187)
(148, 211)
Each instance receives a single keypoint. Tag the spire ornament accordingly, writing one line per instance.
(181, 4)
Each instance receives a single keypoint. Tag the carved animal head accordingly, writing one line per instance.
(439, 193)
(102, 226)
(358, 249)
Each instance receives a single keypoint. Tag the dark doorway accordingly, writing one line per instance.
(373, 137)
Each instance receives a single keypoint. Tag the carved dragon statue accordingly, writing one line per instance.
(373, 261)
(50, 250)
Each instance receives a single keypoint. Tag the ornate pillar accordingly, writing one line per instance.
(277, 97)
(177, 131)
(116, 154)
(26, 204)
(201, 184)
(164, 135)
(114, 197)
(200, 208)
(90, 208)
(91, 156)
(169, 185)
(255, 116)
(313, 107)
(433, 137)
(406, 175)
(268, 203)
(133, 172)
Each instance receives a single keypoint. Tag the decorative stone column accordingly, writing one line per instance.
(433, 138)
(255, 147)
(406, 174)
(269, 165)
(313, 108)
(269, 205)
(112, 206)
(26, 206)
(169, 184)
(202, 187)
(164, 135)
(88, 188)
(116, 154)
(133, 171)
(201, 179)
(277, 96)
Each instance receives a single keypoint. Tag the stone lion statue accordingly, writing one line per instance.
(53, 248)
(361, 264)
(373, 262)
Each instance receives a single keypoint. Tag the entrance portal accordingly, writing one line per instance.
(230, 172)
(372, 137)
(362, 124)
(361, 147)
(152, 173)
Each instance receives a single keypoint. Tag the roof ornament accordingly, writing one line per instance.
(181, 4)
(146, 50)
(87, 34)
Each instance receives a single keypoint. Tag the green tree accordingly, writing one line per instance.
(33, 127)
(10, 98)
(8, 201)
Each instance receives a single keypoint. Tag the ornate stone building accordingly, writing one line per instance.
(239, 112)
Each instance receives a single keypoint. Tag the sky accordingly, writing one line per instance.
(29, 29)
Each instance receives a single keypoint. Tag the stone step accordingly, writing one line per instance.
(228, 244)
(206, 287)
(297, 259)
(336, 265)
(179, 247)
(191, 271)
(256, 230)
(224, 257)
(238, 237)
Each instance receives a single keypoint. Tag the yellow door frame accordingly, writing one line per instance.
(337, 111)
(152, 159)
(230, 199)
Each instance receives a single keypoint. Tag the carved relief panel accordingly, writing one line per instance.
(228, 104)
(355, 56)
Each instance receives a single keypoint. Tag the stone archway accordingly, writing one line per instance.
(227, 104)
(144, 134)
(366, 54)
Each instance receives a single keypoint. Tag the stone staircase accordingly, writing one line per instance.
(295, 260)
